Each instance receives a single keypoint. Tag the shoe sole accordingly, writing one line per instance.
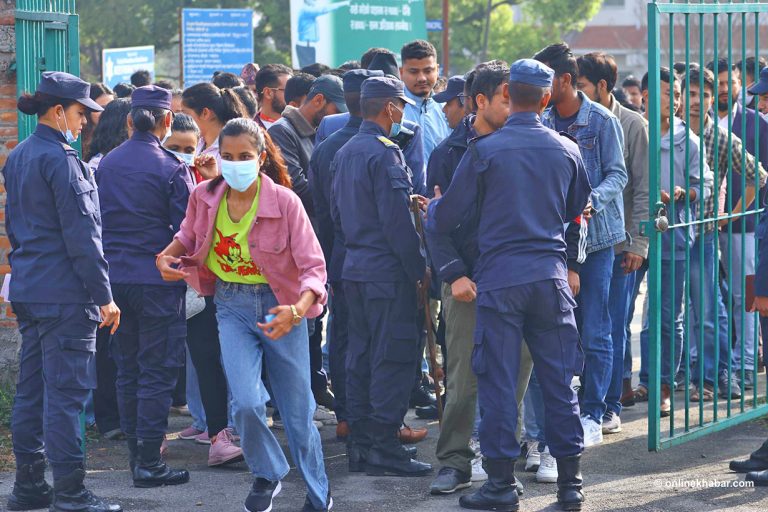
(231, 460)
(189, 438)
(269, 508)
(16, 505)
(546, 480)
(611, 430)
(152, 485)
(570, 506)
(379, 471)
(438, 492)
(499, 508)
(204, 443)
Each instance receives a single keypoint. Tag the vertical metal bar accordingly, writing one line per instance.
(446, 37)
(686, 294)
(716, 161)
(743, 218)
(730, 204)
(758, 206)
(702, 233)
(654, 255)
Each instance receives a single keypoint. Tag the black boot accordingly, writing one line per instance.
(70, 495)
(30, 491)
(569, 483)
(759, 477)
(358, 444)
(133, 452)
(388, 457)
(757, 461)
(498, 492)
(151, 471)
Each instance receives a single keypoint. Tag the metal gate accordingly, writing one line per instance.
(47, 39)
(691, 34)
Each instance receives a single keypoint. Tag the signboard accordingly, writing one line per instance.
(434, 25)
(118, 64)
(215, 40)
(332, 32)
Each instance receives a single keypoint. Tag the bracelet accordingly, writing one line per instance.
(297, 318)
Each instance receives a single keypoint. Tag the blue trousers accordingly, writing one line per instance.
(148, 349)
(57, 370)
(384, 349)
(542, 314)
(622, 291)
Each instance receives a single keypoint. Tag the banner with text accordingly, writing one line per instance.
(333, 32)
(215, 40)
(118, 64)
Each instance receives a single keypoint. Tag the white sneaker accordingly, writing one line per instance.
(547, 472)
(611, 423)
(593, 433)
(478, 473)
(325, 416)
(533, 459)
(474, 445)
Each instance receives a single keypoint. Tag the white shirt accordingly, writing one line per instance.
(723, 121)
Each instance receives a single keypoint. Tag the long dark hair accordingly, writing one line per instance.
(225, 103)
(112, 129)
(273, 166)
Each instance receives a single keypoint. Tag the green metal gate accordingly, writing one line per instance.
(47, 39)
(691, 33)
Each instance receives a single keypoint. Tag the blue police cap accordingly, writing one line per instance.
(384, 87)
(761, 86)
(354, 78)
(151, 96)
(531, 72)
(454, 88)
(66, 86)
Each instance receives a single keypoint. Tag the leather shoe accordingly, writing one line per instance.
(427, 413)
(422, 396)
(757, 461)
(449, 480)
(342, 430)
(759, 477)
(410, 435)
(325, 398)
(627, 394)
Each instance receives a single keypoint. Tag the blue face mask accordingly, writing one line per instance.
(240, 175)
(68, 135)
(187, 158)
(394, 131)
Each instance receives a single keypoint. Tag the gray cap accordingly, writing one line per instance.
(454, 89)
(531, 72)
(384, 87)
(331, 88)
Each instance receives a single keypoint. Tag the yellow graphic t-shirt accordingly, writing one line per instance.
(229, 257)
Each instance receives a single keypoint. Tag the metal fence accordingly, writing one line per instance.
(678, 274)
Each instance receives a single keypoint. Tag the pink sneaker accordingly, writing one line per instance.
(190, 433)
(203, 438)
(223, 450)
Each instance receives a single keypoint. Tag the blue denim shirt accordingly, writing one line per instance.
(428, 114)
(601, 142)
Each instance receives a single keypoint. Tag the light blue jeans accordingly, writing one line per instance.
(244, 348)
(194, 402)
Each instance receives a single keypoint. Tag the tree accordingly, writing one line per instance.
(517, 29)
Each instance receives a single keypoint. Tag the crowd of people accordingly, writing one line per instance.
(187, 263)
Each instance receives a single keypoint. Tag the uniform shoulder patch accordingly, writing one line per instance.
(568, 136)
(384, 140)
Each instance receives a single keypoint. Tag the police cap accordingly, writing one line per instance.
(331, 88)
(151, 96)
(761, 86)
(454, 89)
(353, 79)
(384, 87)
(66, 86)
(531, 72)
(385, 62)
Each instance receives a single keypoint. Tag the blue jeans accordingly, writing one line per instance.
(747, 334)
(244, 348)
(595, 327)
(194, 402)
(705, 318)
(622, 289)
(638, 281)
(533, 415)
(671, 324)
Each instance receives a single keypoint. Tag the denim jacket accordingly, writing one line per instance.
(601, 142)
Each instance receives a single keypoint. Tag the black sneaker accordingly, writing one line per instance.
(309, 507)
(449, 480)
(261, 495)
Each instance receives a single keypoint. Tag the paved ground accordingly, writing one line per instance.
(620, 475)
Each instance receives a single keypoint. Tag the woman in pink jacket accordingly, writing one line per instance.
(248, 242)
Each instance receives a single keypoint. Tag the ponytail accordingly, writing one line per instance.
(40, 103)
(147, 119)
(224, 103)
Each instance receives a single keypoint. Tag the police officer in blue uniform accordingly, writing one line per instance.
(320, 180)
(529, 182)
(144, 190)
(59, 292)
(370, 205)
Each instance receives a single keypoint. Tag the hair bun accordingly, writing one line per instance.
(28, 104)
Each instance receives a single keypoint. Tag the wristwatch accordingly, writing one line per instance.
(297, 318)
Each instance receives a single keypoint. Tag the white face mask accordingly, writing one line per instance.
(187, 158)
(68, 135)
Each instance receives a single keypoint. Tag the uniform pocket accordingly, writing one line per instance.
(76, 363)
(399, 177)
(404, 344)
(478, 353)
(84, 192)
(564, 296)
(175, 354)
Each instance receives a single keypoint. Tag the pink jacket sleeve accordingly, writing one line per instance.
(306, 251)
(186, 234)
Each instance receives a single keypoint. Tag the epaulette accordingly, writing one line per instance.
(386, 141)
(568, 136)
(68, 148)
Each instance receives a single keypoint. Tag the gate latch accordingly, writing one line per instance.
(661, 223)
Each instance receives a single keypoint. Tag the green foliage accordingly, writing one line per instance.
(6, 404)
(539, 23)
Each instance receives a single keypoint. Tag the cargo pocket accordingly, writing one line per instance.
(564, 296)
(399, 177)
(84, 192)
(76, 363)
(478, 353)
(175, 354)
(403, 344)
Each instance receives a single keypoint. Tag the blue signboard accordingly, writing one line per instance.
(215, 40)
(434, 25)
(118, 64)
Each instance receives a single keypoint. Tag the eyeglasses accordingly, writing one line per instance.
(276, 88)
